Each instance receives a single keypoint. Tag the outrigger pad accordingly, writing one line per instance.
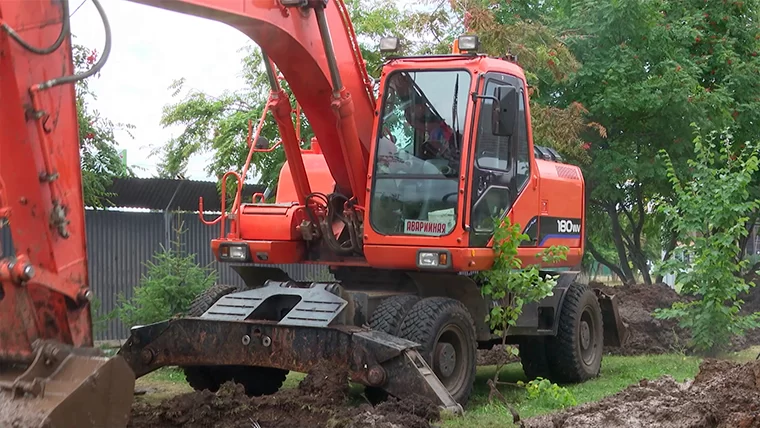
(284, 302)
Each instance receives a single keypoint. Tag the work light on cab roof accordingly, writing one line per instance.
(389, 44)
(468, 43)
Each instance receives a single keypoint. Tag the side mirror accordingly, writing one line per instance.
(504, 114)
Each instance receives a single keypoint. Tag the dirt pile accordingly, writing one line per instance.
(495, 356)
(321, 400)
(722, 395)
(647, 335)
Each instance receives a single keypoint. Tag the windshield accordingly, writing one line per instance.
(418, 156)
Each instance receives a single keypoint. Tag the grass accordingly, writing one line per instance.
(161, 384)
(745, 355)
(617, 374)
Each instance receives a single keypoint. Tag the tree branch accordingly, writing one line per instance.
(617, 237)
(642, 212)
(600, 258)
(745, 240)
(669, 247)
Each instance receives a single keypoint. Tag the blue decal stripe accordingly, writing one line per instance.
(548, 237)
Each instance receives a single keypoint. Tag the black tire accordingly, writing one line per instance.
(202, 378)
(207, 298)
(387, 318)
(533, 357)
(444, 327)
(390, 312)
(576, 351)
(256, 380)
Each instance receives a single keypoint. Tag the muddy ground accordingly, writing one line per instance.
(649, 335)
(723, 395)
(321, 400)
(495, 356)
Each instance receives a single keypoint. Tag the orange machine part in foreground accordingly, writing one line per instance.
(40, 188)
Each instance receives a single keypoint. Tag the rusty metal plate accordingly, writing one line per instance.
(372, 358)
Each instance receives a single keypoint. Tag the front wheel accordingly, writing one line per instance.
(446, 332)
(576, 351)
(256, 380)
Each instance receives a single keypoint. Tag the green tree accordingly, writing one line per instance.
(375, 19)
(649, 69)
(640, 82)
(100, 158)
(709, 231)
(219, 124)
(173, 279)
(512, 285)
(725, 47)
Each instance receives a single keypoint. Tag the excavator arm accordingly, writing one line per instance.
(49, 371)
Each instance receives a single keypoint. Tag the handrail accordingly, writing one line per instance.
(269, 150)
(233, 223)
(223, 215)
(258, 198)
(200, 214)
(239, 191)
(252, 148)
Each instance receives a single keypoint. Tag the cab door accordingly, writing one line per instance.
(501, 166)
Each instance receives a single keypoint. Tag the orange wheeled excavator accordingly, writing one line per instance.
(396, 195)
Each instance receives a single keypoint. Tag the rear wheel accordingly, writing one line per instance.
(391, 311)
(576, 351)
(446, 332)
(256, 380)
(387, 318)
(533, 357)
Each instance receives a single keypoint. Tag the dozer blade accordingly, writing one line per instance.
(67, 387)
(615, 329)
(290, 328)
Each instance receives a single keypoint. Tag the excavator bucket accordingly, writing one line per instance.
(287, 326)
(67, 387)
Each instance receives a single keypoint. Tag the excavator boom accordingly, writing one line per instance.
(317, 52)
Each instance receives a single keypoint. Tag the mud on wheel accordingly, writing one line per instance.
(446, 332)
(256, 380)
(387, 318)
(575, 354)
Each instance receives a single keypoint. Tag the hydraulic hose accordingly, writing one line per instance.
(95, 68)
(61, 36)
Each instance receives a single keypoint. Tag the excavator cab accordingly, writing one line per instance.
(459, 125)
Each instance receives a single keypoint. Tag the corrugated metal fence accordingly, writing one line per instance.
(119, 244)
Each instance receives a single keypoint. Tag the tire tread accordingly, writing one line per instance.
(419, 325)
(565, 362)
(389, 314)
